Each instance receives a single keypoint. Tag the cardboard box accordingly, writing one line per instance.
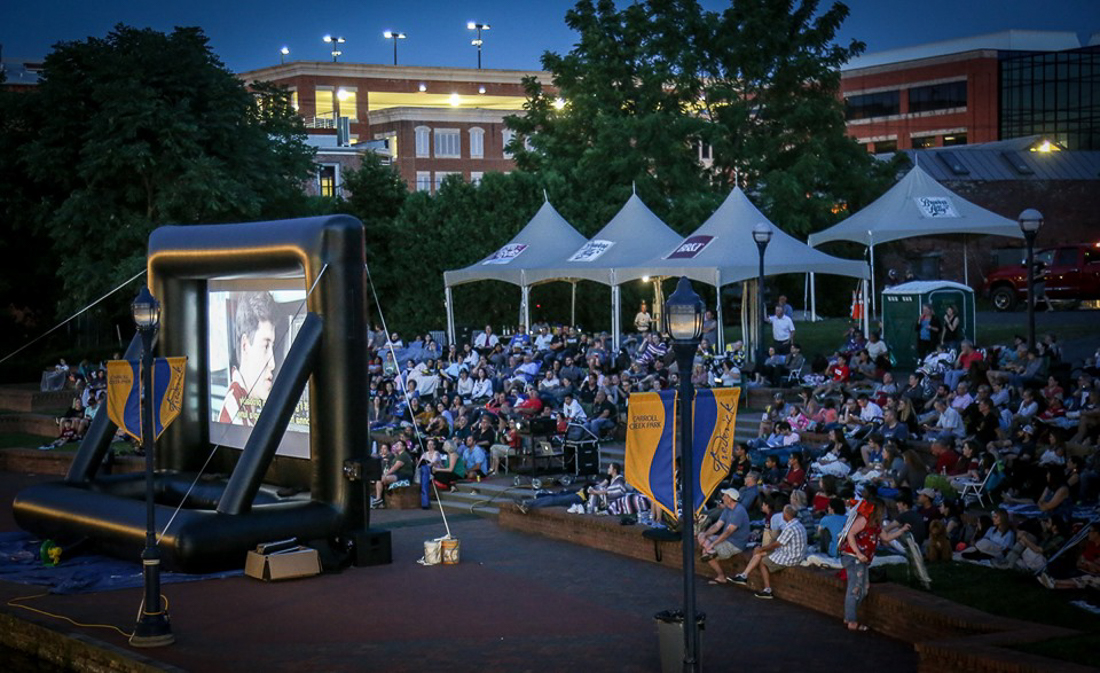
(285, 565)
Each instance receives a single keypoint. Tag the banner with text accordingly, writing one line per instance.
(124, 396)
(168, 375)
(715, 418)
(650, 463)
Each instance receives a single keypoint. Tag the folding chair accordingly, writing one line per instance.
(978, 490)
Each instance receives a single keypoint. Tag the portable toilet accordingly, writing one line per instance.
(901, 306)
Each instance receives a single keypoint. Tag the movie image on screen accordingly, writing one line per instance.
(253, 322)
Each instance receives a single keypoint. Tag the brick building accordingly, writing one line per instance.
(430, 122)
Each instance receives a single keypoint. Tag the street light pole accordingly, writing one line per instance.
(153, 628)
(334, 41)
(395, 36)
(472, 25)
(283, 54)
(1031, 221)
(684, 322)
(762, 234)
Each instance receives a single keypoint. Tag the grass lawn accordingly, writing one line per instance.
(22, 440)
(1019, 596)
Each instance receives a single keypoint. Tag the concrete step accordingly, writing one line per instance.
(43, 425)
(28, 398)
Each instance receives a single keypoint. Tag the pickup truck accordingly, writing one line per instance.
(1071, 274)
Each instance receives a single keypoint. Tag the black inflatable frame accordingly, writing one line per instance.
(222, 519)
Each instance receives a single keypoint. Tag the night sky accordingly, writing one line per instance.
(248, 34)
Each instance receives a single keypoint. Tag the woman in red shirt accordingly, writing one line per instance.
(857, 549)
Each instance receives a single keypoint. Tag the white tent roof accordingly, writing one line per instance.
(632, 237)
(923, 286)
(546, 236)
(723, 251)
(916, 206)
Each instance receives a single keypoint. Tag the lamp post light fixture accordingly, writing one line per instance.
(762, 234)
(335, 41)
(283, 53)
(684, 322)
(1031, 221)
(473, 25)
(153, 628)
(395, 36)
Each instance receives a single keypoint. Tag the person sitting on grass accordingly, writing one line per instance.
(788, 550)
(728, 537)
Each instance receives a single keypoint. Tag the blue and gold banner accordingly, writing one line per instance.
(715, 418)
(168, 375)
(650, 464)
(123, 396)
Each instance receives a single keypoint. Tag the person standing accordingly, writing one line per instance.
(642, 320)
(782, 330)
(857, 550)
(952, 328)
(928, 331)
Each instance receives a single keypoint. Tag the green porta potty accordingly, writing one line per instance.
(901, 306)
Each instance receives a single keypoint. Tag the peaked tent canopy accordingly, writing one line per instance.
(723, 251)
(633, 236)
(916, 206)
(546, 236)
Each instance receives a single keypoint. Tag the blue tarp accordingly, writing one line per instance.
(20, 562)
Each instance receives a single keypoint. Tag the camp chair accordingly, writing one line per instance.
(979, 489)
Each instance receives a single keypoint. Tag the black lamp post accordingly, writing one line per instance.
(684, 322)
(473, 25)
(762, 234)
(153, 628)
(283, 53)
(395, 36)
(335, 41)
(1031, 221)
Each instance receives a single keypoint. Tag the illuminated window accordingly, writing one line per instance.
(448, 144)
(477, 143)
(326, 103)
(423, 181)
(294, 98)
(423, 141)
(954, 139)
(326, 179)
(507, 136)
(346, 99)
(924, 142)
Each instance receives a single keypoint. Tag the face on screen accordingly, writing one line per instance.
(257, 359)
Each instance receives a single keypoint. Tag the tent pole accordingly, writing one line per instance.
(813, 297)
(721, 341)
(525, 306)
(871, 239)
(966, 264)
(448, 301)
(615, 317)
(573, 307)
(866, 313)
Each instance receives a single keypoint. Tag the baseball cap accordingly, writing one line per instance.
(733, 493)
(1029, 430)
(928, 492)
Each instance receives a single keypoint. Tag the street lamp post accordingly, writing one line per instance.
(335, 42)
(762, 234)
(153, 628)
(395, 36)
(283, 53)
(1031, 221)
(684, 322)
(473, 25)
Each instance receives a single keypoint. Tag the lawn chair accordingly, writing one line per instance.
(979, 489)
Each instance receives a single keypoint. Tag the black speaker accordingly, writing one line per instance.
(372, 547)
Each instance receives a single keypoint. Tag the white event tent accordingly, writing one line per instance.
(917, 205)
(722, 251)
(547, 236)
(635, 235)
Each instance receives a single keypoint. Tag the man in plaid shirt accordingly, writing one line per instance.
(788, 550)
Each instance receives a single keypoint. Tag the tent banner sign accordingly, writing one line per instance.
(936, 207)
(506, 254)
(691, 247)
(591, 251)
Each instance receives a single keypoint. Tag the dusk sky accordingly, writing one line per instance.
(248, 34)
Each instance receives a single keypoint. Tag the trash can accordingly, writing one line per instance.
(670, 636)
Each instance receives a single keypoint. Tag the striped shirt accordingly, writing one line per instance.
(792, 545)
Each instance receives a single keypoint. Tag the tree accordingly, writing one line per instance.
(646, 87)
(140, 129)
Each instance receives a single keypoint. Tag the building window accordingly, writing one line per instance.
(924, 142)
(326, 104)
(346, 100)
(475, 177)
(886, 146)
(423, 181)
(294, 98)
(507, 136)
(327, 177)
(423, 141)
(440, 176)
(477, 143)
(937, 97)
(448, 144)
(866, 106)
(954, 139)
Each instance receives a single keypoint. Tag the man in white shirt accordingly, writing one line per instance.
(486, 341)
(782, 330)
(542, 341)
(572, 410)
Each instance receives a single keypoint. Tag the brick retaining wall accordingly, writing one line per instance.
(33, 461)
(947, 636)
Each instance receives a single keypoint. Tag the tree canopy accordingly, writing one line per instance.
(651, 90)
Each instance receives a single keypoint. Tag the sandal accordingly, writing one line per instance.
(724, 580)
(858, 627)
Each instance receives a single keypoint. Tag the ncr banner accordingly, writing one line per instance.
(650, 464)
